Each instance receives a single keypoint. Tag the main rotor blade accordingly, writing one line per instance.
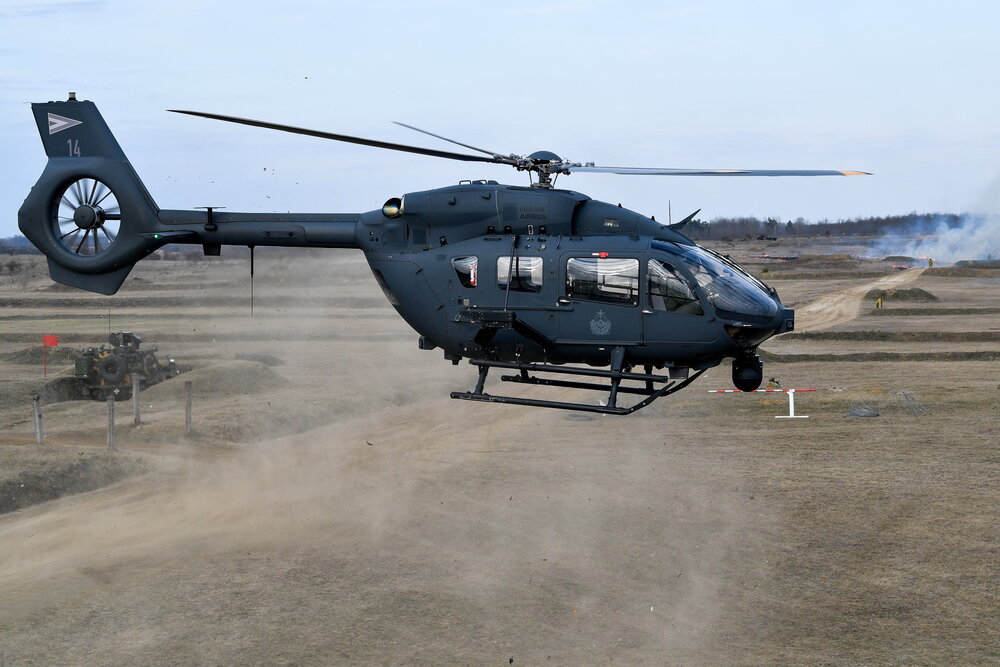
(451, 141)
(653, 171)
(343, 137)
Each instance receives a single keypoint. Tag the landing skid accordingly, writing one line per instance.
(648, 388)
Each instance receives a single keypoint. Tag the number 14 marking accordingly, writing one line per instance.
(74, 147)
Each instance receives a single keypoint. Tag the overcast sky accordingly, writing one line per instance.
(907, 90)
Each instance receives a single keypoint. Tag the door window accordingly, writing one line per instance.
(525, 276)
(609, 279)
(669, 291)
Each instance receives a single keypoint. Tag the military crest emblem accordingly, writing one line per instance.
(600, 325)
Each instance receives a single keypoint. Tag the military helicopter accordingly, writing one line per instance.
(559, 289)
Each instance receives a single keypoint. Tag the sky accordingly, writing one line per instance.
(907, 90)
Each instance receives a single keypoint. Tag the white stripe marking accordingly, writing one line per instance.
(60, 123)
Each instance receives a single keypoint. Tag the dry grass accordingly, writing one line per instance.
(897, 336)
(963, 272)
(934, 312)
(338, 508)
(30, 476)
(912, 294)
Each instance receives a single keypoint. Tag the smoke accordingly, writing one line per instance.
(946, 239)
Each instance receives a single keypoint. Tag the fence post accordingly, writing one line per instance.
(187, 407)
(136, 383)
(111, 422)
(36, 403)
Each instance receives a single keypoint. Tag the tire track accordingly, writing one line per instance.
(845, 305)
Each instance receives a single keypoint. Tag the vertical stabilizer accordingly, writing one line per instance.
(73, 129)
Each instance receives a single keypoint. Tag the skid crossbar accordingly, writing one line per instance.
(615, 387)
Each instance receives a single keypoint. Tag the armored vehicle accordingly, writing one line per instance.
(108, 370)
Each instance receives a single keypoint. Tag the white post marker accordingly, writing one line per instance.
(111, 422)
(136, 384)
(37, 408)
(791, 399)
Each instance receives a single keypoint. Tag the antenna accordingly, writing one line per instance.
(510, 270)
(251, 280)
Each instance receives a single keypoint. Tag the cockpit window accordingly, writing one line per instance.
(467, 269)
(525, 276)
(615, 280)
(734, 293)
(733, 265)
(669, 291)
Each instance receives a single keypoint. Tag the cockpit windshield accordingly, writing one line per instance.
(734, 293)
(730, 263)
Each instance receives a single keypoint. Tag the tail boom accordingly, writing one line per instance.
(92, 217)
(293, 230)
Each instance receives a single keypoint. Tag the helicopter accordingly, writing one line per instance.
(557, 288)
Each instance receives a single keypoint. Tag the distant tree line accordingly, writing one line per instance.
(748, 227)
(17, 245)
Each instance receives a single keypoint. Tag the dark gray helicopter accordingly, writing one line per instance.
(527, 279)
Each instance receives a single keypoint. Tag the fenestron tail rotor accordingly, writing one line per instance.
(88, 218)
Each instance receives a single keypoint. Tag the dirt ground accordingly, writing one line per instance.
(334, 506)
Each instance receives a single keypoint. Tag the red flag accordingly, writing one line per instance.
(50, 341)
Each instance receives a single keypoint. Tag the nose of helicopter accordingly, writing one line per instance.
(748, 330)
(787, 321)
(749, 310)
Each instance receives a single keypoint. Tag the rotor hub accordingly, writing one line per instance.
(87, 216)
(544, 156)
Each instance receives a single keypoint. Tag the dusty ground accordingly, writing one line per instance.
(338, 508)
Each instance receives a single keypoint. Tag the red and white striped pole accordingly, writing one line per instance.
(791, 399)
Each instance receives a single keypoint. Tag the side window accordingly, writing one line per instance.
(669, 291)
(525, 276)
(467, 269)
(615, 280)
(380, 279)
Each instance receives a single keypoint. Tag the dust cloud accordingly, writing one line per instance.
(474, 538)
(340, 508)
